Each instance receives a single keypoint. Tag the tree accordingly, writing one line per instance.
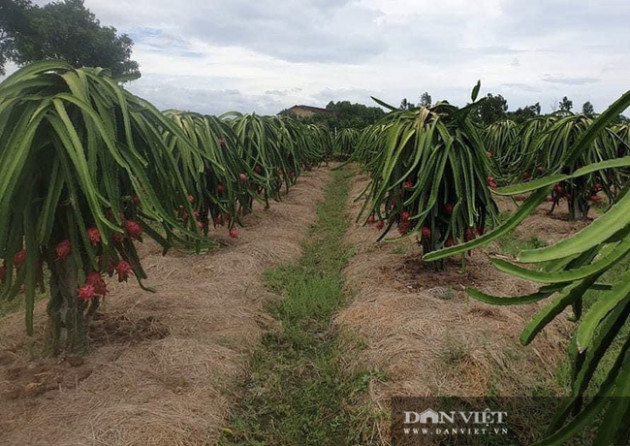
(346, 115)
(13, 21)
(565, 104)
(425, 99)
(492, 109)
(588, 109)
(405, 105)
(522, 114)
(353, 115)
(621, 119)
(64, 30)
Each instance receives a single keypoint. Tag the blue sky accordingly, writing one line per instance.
(215, 56)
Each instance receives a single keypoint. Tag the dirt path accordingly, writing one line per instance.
(428, 338)
(168, 363)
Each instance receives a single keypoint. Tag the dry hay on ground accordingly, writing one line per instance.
(547, 227)
(165, 365)
(420, 326)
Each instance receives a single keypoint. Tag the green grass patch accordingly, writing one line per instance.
(512, 244)
(299, 392)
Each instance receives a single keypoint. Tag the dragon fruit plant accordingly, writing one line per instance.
(569, 271)
(430, 176)
(85, 174)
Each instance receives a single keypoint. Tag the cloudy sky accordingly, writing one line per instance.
(265, 55)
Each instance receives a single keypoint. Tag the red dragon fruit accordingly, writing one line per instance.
(123, 269)
(94, 236)
(97, 282)
(403, 228)
(133, 229)
(86, 292)
(19, 258)
(63, 249)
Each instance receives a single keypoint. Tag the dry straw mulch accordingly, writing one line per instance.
(165, 366)
(432, 340)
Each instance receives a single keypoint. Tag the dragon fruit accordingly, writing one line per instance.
(63, 249)
(94, 236)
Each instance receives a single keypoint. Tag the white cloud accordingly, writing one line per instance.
(215, 56)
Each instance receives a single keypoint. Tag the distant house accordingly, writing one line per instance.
(305, 111)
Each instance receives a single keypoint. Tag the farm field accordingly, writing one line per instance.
(439, 273)
(179, 357)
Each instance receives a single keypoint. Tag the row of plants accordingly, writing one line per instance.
(344, 142)
(88, 170)
(569, 270)
(541, 145)
(432, 174)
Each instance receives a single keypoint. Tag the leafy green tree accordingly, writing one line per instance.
(522, 114)
(13, 21)
(64, 30)
(588, 109)
(425, 100)
(492, 109)
(346, 115)
(565, 104)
